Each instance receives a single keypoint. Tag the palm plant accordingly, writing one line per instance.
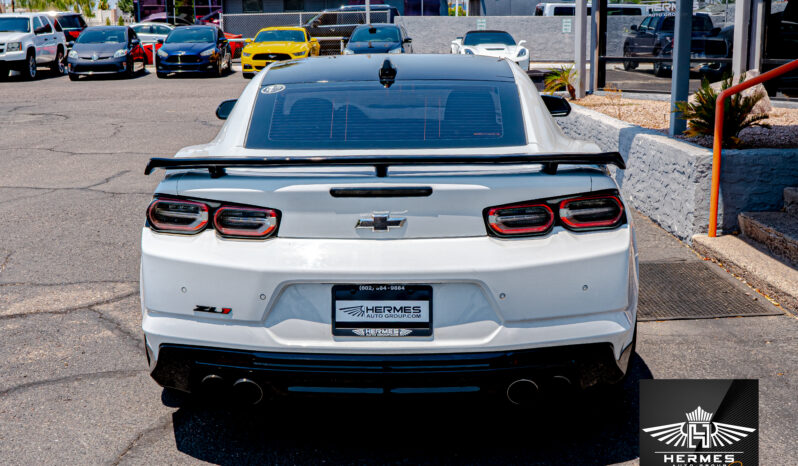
(103, 5)
(560, 78)
(737, 115)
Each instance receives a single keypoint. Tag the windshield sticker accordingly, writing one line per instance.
(273, 89)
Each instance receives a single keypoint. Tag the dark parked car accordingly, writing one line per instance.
(194, 49)
(379, 38)
(71, 23)
(340, 22)
(106, 50)
(654, 38)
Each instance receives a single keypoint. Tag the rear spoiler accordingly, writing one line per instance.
(216, 166)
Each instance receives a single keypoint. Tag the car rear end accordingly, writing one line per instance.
(381, 273)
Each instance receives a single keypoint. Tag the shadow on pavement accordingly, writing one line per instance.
(593, 427)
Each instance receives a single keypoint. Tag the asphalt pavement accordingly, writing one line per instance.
(75, 389)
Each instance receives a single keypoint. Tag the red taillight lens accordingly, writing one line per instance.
(177, 215)
(524, 219)
(245, 222)
(591, 212)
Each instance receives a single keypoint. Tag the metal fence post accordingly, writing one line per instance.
(579, 46)
(680, 77)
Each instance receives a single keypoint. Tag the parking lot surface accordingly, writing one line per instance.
(74, 386)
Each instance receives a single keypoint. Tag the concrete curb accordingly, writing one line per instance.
(764, 273)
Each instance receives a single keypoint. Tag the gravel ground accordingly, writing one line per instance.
(655, 115)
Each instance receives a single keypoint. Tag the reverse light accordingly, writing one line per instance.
(245, 222)
(177, 216)
(522, 219)
(590, 212)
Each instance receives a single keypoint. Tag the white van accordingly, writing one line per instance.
(567, 9)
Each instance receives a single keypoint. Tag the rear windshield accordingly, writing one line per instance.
(408, 115)
(700, 23)
(476, 38)
(70, 21)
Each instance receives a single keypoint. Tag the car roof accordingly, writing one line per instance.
(283, 28)
(350, 68)
(373, 25)
(485, 31)
(380, 6)
(108, 27)
(20, 15)
(153, 23)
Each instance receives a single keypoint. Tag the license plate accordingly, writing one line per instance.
(382, 310)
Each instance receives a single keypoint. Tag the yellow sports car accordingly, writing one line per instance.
(276, 44)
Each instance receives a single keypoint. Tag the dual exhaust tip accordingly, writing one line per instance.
(520, 392)
(244, 391)
(524, 392)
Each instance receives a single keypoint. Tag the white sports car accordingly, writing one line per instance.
(492, 44)
(411, 224)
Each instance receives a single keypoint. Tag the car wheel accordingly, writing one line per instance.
(3, 73)
(659, 70)
(247, 75)
(160, 75)
(628, 65)
(220, 68)
(29, 70)
(73, 77)
(58, 67)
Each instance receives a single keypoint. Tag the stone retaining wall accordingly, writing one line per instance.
(669, 180)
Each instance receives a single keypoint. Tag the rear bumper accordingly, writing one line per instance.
(183, 367)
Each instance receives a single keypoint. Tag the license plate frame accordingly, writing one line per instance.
(416, 296)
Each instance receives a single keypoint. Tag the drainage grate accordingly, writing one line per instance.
(690, 290)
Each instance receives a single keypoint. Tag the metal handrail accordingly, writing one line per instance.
(717, 145)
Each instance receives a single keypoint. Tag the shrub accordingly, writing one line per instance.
(120, 21)
(737, 115)
(107, 21)
(560, 78)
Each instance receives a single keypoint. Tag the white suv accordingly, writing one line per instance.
(29, 40)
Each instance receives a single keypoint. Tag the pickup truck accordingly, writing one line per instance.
(333, 27)
(30, 40)
(654, 38)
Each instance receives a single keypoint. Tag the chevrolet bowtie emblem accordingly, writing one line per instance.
(380, 222)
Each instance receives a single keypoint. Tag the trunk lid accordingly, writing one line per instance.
(444, 202)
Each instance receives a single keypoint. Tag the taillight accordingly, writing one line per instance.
(177, 215)
(583, 213)
(245, 222)
(522, 219)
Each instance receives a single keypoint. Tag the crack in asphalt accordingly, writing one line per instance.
(116, 327)
(5, 262)
(84, 307)
(46, 192)
(72, 378)
(163, 424)
(88, 282)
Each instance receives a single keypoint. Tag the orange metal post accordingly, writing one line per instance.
(718, 142)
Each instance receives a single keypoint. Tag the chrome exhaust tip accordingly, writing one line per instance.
(522, 391)
(245, 391)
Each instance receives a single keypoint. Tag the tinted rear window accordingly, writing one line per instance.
(408, 115)
(70, 21)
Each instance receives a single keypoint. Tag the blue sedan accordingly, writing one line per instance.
(194, 49)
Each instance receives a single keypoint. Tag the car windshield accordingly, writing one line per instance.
(700, 24)
(280, 36)
(476, 38)
(406, 115)
(69, 22)
(14, 25)
(190, 36)
(376, 34)
(101, 36)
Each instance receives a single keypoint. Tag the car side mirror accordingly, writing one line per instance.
(633, 27)
(135, 42)
(71, 44)
(714, 32)
(159, 41)
(315, 24)
(224, 108)
(314, 40)
(558, 106)
(248, 40)
(408, 40)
